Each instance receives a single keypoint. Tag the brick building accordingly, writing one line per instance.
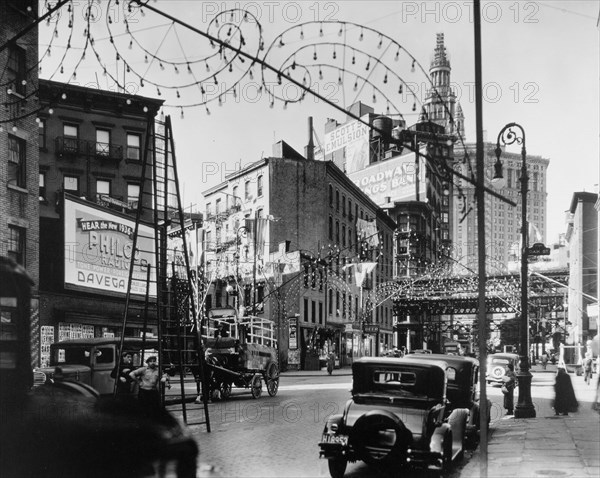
(19, 226)
(91, 147)
(313, 218)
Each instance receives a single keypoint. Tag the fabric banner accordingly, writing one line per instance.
(361, 270)
(367, 231)
(261, 232)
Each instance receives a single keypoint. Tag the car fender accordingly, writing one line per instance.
(436, 444)
(458, 423)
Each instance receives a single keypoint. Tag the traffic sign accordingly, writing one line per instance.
(538, 249)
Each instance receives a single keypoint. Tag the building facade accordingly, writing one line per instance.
(314, 230)
(582, 241)
(19, 225)
(91, 149)
(503, 221)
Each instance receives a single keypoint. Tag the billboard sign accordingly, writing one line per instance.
(99, 247)
(393, 178)
(354, 138)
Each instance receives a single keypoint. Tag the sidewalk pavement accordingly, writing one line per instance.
(545, 446)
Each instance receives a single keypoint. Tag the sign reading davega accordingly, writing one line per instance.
(99, 247)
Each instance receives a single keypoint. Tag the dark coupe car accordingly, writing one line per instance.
(396, 417)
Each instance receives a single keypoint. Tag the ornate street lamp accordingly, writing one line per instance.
(510, 134)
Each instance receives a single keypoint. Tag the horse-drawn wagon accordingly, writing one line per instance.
(240, 352)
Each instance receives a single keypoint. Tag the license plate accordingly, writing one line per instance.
(335, 439)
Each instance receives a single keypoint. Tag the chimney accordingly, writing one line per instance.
(310, 148)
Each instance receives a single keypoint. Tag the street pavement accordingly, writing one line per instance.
(547, 445)
(544, 446)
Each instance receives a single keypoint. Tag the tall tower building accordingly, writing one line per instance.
(440, 104)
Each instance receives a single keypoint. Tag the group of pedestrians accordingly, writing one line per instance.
(147, 380)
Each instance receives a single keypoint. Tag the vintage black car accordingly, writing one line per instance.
(396, 417)
(496, 366)
(462, 389)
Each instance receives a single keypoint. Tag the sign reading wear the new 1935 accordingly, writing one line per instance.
(538, 249)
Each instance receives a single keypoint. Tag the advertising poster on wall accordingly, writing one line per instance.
(99, 247)
(293, 331)
(354, 137)
(394, 178)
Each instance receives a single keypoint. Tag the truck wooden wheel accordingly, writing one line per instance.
(272, 379)
(256, 386)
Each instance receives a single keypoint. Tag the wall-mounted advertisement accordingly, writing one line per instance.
(393, 178)
(354, 137)
(99, 247)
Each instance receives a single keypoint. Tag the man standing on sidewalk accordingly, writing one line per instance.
(148, 380)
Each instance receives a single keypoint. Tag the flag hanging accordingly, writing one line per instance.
(367, 231)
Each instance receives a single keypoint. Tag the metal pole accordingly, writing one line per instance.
(479, 194)
(254, 266)
(524, 407)
(514, 133)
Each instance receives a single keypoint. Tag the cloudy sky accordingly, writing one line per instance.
(540, 69)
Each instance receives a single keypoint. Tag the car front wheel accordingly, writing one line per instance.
(337, 467)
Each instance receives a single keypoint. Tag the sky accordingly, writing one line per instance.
(540, 69)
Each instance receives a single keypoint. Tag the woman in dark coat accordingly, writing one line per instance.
(564, 395)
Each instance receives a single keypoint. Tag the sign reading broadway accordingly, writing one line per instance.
(99, 247)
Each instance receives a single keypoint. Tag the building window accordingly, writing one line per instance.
(343, 205)
(16, 244)
(70, 138)
(259, 186)
(350, 209)
(343, 235)
(16, 69)
(208, 206)
(330, 195)
(42, 133)
(330, 228)
(337, 303)
(16, 161)
(330, 301)
(247, 190)
(320, 312)
(445, 217)
(71, 184)
(103, 187)
(42, 192)
(133, 193)
(217, 206)
(235, 195)
(134, 142)
(102, 142)
(313, 311)
(305, 309)
(337, 232)
(337, 200)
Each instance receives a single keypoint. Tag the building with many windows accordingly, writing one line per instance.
(91, 150)
(297, 229)
(582, 239)
(19, 227)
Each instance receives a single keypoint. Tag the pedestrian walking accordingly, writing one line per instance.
(544, 361)
(564, 395)
(588, 365)
(596, 404)
(508, 388)
(149, 380)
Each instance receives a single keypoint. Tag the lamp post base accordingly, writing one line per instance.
(524, 407)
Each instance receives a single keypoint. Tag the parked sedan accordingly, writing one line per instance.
(395, 418)
(496, 366)
(462, 389)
